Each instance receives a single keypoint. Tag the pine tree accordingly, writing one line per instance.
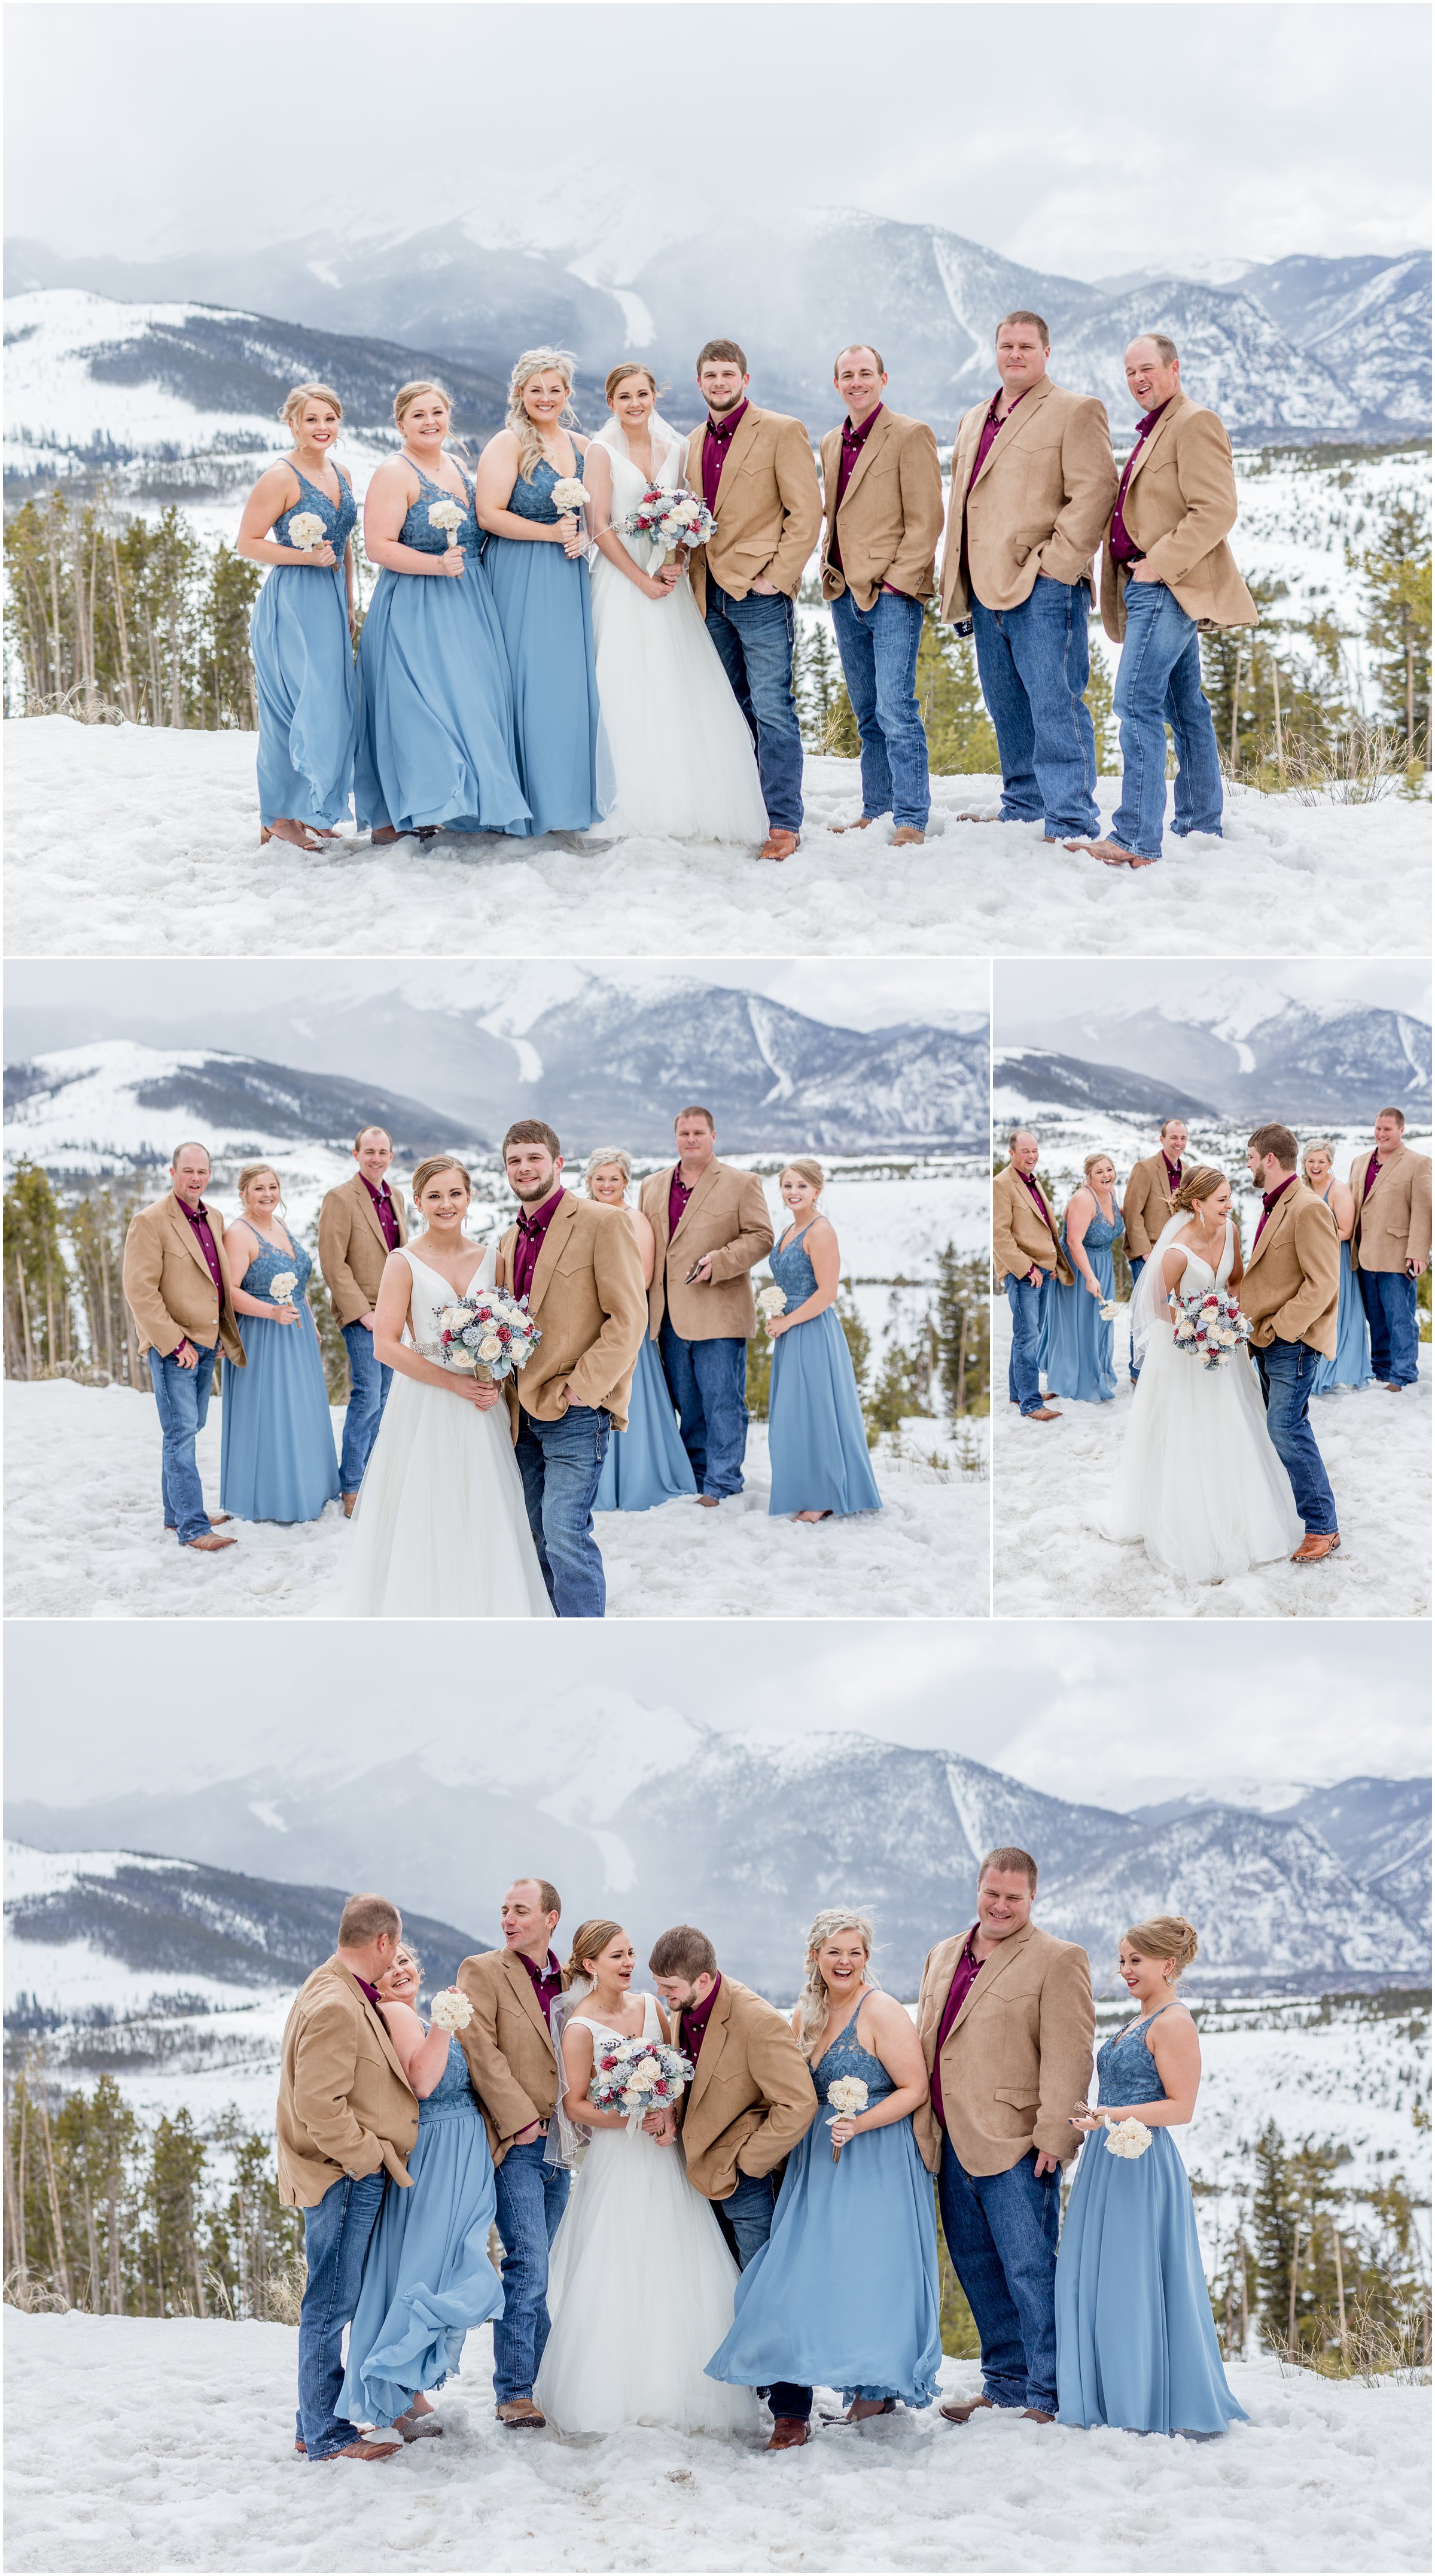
(1397, 570)
(960, 739)
(823, 706)
(1099, 701)
(38, 1318)
(963, 1323)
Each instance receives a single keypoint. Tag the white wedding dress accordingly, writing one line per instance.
(1199, 1482)
(640, 2287)
(440, 1529)
(683, 757)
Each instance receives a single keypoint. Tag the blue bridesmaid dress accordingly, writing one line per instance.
(436, 749)
(1135, 2341)
(1351, 1364)
(844, 2294)
(1074, 1351)
(276, 1460)
(816, 1437)
(647, 1463)
(427, 2277)
(546, 612)
(304, 674)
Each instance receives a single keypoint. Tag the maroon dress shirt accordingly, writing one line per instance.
(366, 1989)
(1371, 1168)
(693, 2022)
(199, 1219)
(1268, 1202)
(715, 448)
(1043, 1211)
(968, 1968)
(1173, 1175)
(384, 1210)
(547, 1982)
(853, 442)
(679, 1193)
(1123, 549)
(531, 1231)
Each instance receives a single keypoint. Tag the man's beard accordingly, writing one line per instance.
(723, 408)
(535, 1197)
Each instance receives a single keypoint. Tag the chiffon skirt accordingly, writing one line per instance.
(307, 694)
(546, 617)
(427, 2277)
(440, 1529)
(816, 1437)
(1199, 1482)
(436, 744)
(1351, 1364)
(1135, 2343)
(646, 1464)
(1074, 1353)
(276, 1459)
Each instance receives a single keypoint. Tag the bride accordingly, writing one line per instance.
(440, 1529)
(1199, 1482)
(683, 757)
(640, 2283)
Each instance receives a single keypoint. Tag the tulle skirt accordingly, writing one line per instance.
(1199, 1483)
(683, 759)
(440, 1529)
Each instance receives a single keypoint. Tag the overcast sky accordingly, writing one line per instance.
(1083, 138)
(1028, 997)
(1118, 1714)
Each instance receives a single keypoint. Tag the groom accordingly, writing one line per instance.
(750, 2100)
(1291, 1292)
(578, 1265)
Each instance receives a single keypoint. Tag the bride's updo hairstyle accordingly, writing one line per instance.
(538, 362)
(250, 1172)
(611, 1155)
(1167, 1937)
(589, 1942)
(811, 1173)
(617, 376)
(814, 2000)
(293, 404)
(430, 1170)
(1197, 1185)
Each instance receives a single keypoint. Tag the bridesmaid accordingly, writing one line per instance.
(436, 750)
(647, 1463)
(816, 1438)
(1074, 1352)
(427, 2277)
(1351, 1364)
(301, 632)
(537, 560)
(844, 2294)
(1135, 2341)
(277, 1460)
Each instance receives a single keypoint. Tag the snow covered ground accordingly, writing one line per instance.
(1050, 1481)
(85, 1538)
(127, 841)
(143, 2444)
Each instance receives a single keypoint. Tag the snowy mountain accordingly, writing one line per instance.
(1026, 1080)
(1253, 1050)
(1365, 320)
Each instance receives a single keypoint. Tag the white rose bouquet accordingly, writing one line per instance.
(770, 1302)
(488, 1335)
(1109, 1309)
(307, 530)
(568, 496)
(848, 2098)
(1210, 1326)
(1129, 2137)
(282, 1286)
(447, 517)
(450, 2009)
(673, 522)
(636, 2076)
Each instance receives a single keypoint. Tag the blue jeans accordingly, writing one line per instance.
(1389, 1301)
(1138, 1264)
(708, 1383)
(745, 2218)
(1028, 1314)
(1287, 1383)
(369, 1383)
(753, 637)
(182, 1401)
(1034, 663)
(878, 646)
(1001, 2231)
(560, 1463)
(1158, 683)
(336, 2239)
(532, 2197)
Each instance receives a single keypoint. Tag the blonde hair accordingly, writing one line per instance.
(408, 394)
(406, 1950)
(1089, 1166)
(1166, 1936)
(814, 2002)
(250, 1172)
(294, 402)
(613, 1154)
(1317, 1145)
(806, 1170)
(1200, 1184)
(589, 1942)
(536, 362)
(439, 1163)
(617, 376)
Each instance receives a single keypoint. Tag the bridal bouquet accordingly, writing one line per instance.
(1210, 1327)
(670, 521)
(450, 2009)
(848, 2098)
(307, 530)
(447, 517)
(1129, 2138)
(487, 1335)
(636, 2076)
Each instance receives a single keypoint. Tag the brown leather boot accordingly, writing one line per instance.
(211, 1542)
(961, 2412)
(1048, 1413)
(520, 2415)
(1315, 1545)
(778, 845)
(366, 2451)
(1037, 2415)
(863, 823)
(789, 2432)
(907, 837)
(348, 1501)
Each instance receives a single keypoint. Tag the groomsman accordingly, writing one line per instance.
(1033, 481)
(754, 470)
(513, 2067)
(882, 505)
(176, 1284)
(1391, 1247)
(712, 1229)
(1007, 2023)
(1291, 1291)
(1027, 1254)
(360, 1224)
(750, 2100)
(1167, 572)
(1150, 1201)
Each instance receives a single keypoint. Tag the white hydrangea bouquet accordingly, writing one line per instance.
(770, 1302)
(488, 1335)
(636, 2076)
(1109, 1309)
(450, 2009)
(282, 1286)
(447, 517)
(1128, 2137)
(847, 2097)
(671, 521)
(568, 496)
(307, 530)
(1210, 1326)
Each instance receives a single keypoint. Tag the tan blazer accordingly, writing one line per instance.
(769, 508)
(1018, 1236)
(751, 2096)
(1392, 1226)
(1291, 1288)
(1039, 504)
(588, 1295)
(1180, 507)
(891, 515)
(512, 2062)
(168, 1288)
(345, 2103)
(1018, 2056)
(1147, 1205)
(726, 1216)
(352, 1250)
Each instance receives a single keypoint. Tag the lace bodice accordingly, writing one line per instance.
(535, 500)
(338, 516)
(1100, 1234)
(452, 2096)
(268, 1261)
(418, 529)
(1126, 2071)
(845, 2055)
(432, 1292)
(792, 1271)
